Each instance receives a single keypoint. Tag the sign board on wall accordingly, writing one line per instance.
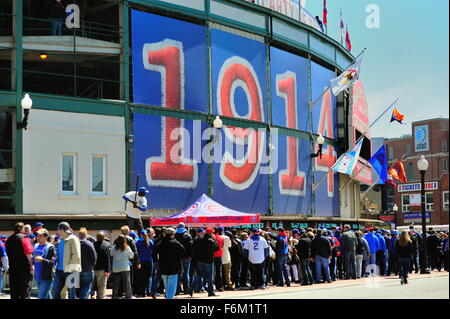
(421, 138)
(170, 70)
(414, 187)
(415, 217)
(415, 200)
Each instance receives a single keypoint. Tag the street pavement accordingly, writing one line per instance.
(432, 286)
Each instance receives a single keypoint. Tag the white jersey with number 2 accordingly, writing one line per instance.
(256, 250)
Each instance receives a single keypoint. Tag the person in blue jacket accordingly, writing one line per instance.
(381, 253)
(393, 259)
(374, 245)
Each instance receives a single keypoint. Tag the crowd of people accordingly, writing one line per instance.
(171, 261)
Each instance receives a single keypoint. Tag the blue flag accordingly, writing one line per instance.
(379, 163)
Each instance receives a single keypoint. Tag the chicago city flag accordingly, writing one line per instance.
(347, 162)
(397, 171)
(347, 78)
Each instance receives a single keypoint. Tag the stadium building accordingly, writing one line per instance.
(121, 88)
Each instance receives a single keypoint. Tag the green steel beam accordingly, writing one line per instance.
(76, 105)
(18, 85)
(210, 94)
(125, 11)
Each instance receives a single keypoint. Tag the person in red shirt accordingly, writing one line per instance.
(218, 276)
(20, 250)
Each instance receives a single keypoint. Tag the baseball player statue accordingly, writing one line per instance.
(135, 204)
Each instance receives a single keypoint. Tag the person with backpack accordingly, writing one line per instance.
(43, 257)
(417, 243)
(282, 252)
(185, 239)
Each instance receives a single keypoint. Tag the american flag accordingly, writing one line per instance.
(325, 12)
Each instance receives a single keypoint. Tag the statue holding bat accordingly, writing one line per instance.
(135, 203)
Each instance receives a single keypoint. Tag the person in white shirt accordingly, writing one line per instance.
(256, 250)
(134, 205)
(226, 260)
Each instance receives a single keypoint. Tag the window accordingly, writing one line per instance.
(68, 174)
(405, 203)
(443, 126)
(408, 150)
(98, 175)
(444, 145)
(410, 171)
(445, 200)
(391, 153)
(429, 203)
(444, 165)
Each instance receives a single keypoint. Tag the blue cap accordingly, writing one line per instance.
(255, 230)
(143, 190)
(132, 234)
(3, 237)
(220, 228)
(302, 231)
(295, 231)
(39, 224)
(143, 232)
(31, 236)
(200, 230)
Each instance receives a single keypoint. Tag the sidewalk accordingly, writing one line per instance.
(276, 290)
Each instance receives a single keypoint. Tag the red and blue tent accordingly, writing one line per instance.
(207, 212)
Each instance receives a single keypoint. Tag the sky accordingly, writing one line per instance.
(407, 57)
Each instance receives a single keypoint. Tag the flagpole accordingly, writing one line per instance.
(396, 100)
(364, 194)
(362, 135)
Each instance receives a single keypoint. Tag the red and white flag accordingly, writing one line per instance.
(348, 41)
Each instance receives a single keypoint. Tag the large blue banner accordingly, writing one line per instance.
(169, 62)
(291, 184)
(168, 160)
(289, 86)
(290, 108)
(324, 122)
(239, 90)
